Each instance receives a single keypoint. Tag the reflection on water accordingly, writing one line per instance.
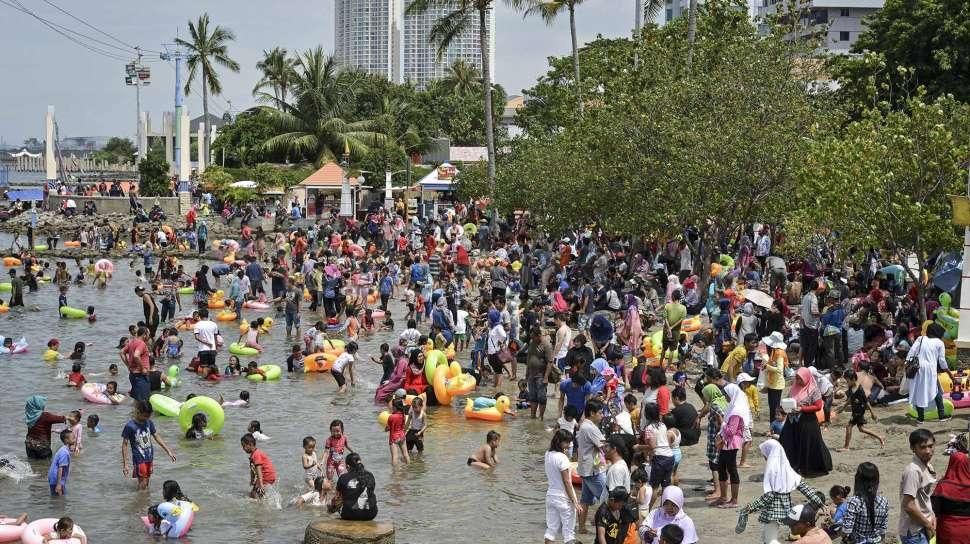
(436, 494)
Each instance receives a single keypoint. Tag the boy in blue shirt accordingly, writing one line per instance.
(61, 465)
(575, 392)
(137, 435)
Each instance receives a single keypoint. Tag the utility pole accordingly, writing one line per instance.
(636, 32)
(182, 145)
(137, 75)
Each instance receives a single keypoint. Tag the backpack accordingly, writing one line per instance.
(330, 290)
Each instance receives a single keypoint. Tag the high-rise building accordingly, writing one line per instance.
(367, 35)
(421, 61)
(837, 23)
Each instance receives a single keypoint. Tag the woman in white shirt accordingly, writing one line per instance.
(497, 338)
(561, 501)
(924, 388)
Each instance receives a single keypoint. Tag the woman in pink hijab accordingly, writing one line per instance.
(801, 436)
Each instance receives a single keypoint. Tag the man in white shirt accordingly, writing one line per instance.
(591, 468)
(563, 336)
(618, 475)
(205, 332)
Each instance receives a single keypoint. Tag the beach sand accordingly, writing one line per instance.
(716, 526)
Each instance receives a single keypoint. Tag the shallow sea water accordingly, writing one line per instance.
(436, 496)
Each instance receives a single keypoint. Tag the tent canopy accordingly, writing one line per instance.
(440, 179)
(25, 194)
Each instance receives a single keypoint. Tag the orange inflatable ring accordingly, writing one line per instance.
(216, 304)
(322, 361)
(450, 382)
(11, 261)
(72, 243)
(691, 324)
(226, 315)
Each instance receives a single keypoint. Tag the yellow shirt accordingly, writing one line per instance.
(753, 398)
(732, 363)
(776, 370)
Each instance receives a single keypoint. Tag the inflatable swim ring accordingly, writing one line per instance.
(45, 247)
(73, 313)
(3, 307)
(189, 290)
(930, 414)
(321, 361)
(166, 406)
(173, 376)
(36, 530)
(212, 410)
(273, 372)
(19, 346)
(11, 261)
(6, 287)
(69, 243)
(267, 325)
(216, 303)
(241, 349)
(377, 314)
(450, 382)
(183, 513)
(432, 360)
(104, 265)
(10, 532)
(256, 305)
(226, 315)
(487, 414)
(691, 324)
(382, 417)
(94, 393)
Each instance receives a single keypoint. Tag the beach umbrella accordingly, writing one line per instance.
(759, 298)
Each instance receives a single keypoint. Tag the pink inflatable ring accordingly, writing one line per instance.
(35, 532)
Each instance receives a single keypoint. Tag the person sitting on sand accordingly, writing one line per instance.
(485, 456)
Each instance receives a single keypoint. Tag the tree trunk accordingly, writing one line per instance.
(487, 90)
(204, 144)
(572, 31)
(691, 32)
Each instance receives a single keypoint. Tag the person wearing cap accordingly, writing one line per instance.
(801, 520)
(614, 518)
(774, 369)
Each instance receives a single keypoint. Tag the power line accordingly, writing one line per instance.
(58, 29)
(96, 29)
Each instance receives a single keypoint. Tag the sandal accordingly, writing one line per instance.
(716, 503)
(728, 505)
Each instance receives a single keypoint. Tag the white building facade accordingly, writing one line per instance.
(420, 56)
(837, 22)
(367, 36)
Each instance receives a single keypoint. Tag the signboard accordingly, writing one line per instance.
(961, 210)
(446, 172)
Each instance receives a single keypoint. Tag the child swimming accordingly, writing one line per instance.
(485, 456)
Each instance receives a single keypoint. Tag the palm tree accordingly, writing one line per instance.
(311, 124)
(691, 32)
(462, 78)
(278, 70)
(462, 16)
(549, 10)
(653, 10)
(206, 50)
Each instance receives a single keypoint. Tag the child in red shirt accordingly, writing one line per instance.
(75, 378)
(396, 425)
(335, 450)
(262, 474)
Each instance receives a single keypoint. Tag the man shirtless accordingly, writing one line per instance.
(485, 457)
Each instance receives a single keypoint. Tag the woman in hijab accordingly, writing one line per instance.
(670, 512)
(415, 382)
(442, 317)
(732, 437)
(780, 480)
(202, 289)
(747, 323)
(715, 406)
(673, 284)
(801, 436)
(632, 328)
(39, 422)
(951, 498)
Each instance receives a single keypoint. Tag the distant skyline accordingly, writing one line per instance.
(90, 97)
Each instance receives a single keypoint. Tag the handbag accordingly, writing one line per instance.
(912, 362)
(505, 355)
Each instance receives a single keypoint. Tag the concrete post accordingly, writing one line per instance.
(201, 148)
(185, 167)
(963, 336)
(50, 163)
(145, 123)
(168, 133)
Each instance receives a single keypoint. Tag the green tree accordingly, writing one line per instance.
(121, 150)
(462, 78)
(208, 48)
(909, 43)
(884, 181)
(240, 142)
(311, 125)
(153, 174)
(465, 14)
(278, 69)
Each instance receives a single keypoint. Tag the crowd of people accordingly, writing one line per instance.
(645, 350)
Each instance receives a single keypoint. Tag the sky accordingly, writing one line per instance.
(87, 90)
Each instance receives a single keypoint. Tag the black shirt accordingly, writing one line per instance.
(616, 525)
(357, 494)
(685, 416)
(387, 363)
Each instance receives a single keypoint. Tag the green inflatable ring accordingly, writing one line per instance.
(73, 313)
(186, 290)
(726, 261)
(434, 358)
(165, 406)
(41, 247)
(273, 372)
(236, 348)
(213, 411)
(931, 415)
(6, 287)
(173, 376)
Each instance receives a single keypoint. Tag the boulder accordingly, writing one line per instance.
(338, 531)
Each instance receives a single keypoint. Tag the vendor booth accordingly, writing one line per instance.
(436, 191)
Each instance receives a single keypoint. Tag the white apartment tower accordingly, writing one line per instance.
(367, 36)
(421, 61)
(837, 23)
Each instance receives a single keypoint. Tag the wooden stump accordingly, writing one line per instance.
(338, 531)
